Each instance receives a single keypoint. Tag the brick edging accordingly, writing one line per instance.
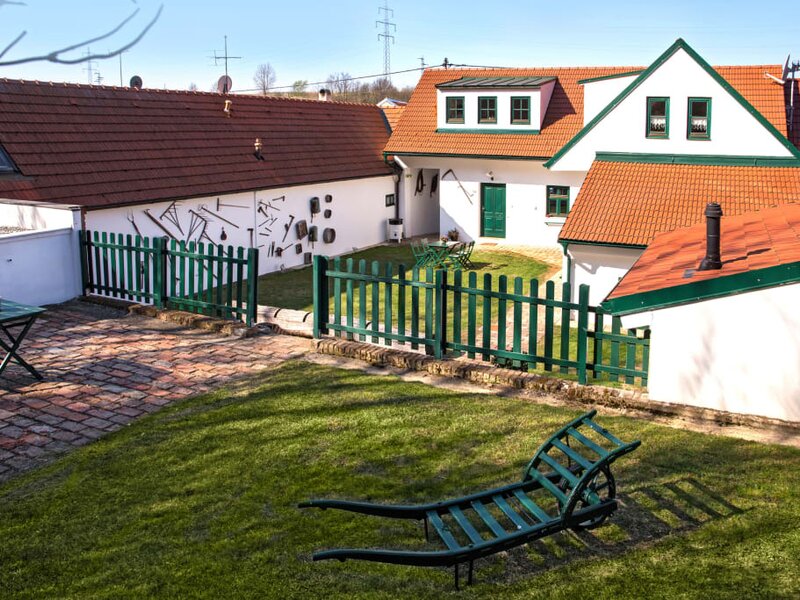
(485, 373)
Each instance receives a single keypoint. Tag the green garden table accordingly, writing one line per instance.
(438, 253)
(15, 321)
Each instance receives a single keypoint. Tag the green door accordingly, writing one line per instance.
(493, 210)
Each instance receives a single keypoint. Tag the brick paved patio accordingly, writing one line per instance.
(102, 369)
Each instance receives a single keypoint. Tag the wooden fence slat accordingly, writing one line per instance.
(401, 300)
(349, 299)
(375, 301)
(486, 342)
(388, 271)
(337, 296)
(362, 298)
(428, 310)
(566, 296)
(472, 310)
(502, 311)
(616, 327)
(533, 320)
(549, 294)
(630, 355)
(415, 306)
(516, 343)
(457, 275)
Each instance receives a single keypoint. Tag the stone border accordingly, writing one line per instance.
(570, 391)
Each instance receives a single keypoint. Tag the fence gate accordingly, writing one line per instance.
(456, 312)
(216, 280)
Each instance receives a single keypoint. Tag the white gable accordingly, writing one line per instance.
(598, 94)
(733, 130)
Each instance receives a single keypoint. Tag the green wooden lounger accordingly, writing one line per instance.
(567, 485)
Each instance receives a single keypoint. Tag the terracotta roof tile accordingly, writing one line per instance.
(751, 241)
(393, 114)
(416, 131)
(630, 203)
(101, 146)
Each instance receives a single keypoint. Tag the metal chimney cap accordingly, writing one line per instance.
(713, 210)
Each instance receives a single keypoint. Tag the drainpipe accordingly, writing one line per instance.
(404, 168)
(712, 259)
(565, 245)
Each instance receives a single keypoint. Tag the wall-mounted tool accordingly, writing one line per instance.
(434, 184)
(301, 228)
(271, 249)
(159, 224)
(298, 248)
(223, 205)
(286, 227)
(327, 214)
(307, 258)
(314, 205)
(133, 222)
(223, 236)
(328, 198)
(204, 208)
(420, 182)
(328, 235)
(312, 234)
(250, 231)
(171, 215)
(197, 223)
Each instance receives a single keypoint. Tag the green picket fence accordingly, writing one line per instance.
(499, 319)
(219, 281)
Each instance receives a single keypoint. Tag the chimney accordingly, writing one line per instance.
(324, 95)
(712, 259)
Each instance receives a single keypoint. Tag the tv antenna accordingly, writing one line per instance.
(421, 60)
(90, 65)
(386, 36)
(226, 57)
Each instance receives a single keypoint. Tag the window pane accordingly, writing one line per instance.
(658, 108)
(699, 109)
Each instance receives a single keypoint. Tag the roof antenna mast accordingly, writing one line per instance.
(224, 57)
(386, 36)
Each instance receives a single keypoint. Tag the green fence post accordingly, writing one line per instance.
(321, 308)
(440, 312)
(252, 286)
(583, 331)
(83, 248)
(160, 271)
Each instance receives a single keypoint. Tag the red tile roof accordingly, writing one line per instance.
(393, 114)
(416, 131)
(630, 203)
(749, 242)
(100, 146)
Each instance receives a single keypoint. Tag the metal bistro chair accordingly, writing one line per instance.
(460, 256)
(420, 252)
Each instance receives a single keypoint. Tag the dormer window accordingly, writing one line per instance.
(487, 109)
(698, 126)
(520, 110)
(455, 109)
(658, 118)
(6, 166)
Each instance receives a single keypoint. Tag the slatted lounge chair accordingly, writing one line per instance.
(567, 485)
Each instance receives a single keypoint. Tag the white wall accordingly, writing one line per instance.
(526, 197)
(734, 131)
(540, 97)
(597, 94)
(420, 211)
(599, 267)
(358, 216)
(40, 267)
(739, 353)
(37, 216)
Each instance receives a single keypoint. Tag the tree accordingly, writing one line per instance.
(56, 56)
(193, 87)
(264, 77)
(341, 84)
(299, 86)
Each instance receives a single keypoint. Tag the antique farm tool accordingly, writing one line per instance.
(133, 222)
(222, 204)
(159, 224)
(567, 485)
(204, 208)
(286, 227)
(328, 235)
(301, 229)
(171, 215)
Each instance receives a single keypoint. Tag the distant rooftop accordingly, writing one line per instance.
(496, 82)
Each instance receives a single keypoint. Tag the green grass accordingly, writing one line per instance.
(199, 500)
(292, 289)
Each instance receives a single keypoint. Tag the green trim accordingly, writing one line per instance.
(528, 110)
(679, 44)
(657, 135)
(487, 109)
(698, 136)
(565, 241)
(489, 131)
(561, 201)
(726, 285)
(497, 82)
(605, 77)
(447, 118)
(476, 156)
(712, 160)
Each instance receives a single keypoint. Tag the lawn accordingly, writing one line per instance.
(199, 500)
(293, 289)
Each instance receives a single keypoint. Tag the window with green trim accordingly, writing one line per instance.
(698, 124)
(520, 110)
(658, 117)
(487, 109)
(557, 200)
(455, 109)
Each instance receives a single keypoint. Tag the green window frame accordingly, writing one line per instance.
(658, 117)
(698, 119)
(454, 107)
(487, 109)
(557, 200)
(520, 110)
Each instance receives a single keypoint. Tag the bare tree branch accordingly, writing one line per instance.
(54, 57)
(14, 43)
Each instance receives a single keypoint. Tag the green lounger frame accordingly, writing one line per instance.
(573, 467)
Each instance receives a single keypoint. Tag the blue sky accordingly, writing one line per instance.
(310, 39)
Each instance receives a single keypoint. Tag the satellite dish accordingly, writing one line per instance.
(136, 82)
(224, 84)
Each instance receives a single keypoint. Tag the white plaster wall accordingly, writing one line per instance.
(36, 216)
(40, 267)
(526, 196)
(599, 267)
(422, 208)
(739, 354)
(539, 100)
(734, 131)
(597, 94)
(358, 215)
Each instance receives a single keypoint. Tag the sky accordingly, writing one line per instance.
(310, 40)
